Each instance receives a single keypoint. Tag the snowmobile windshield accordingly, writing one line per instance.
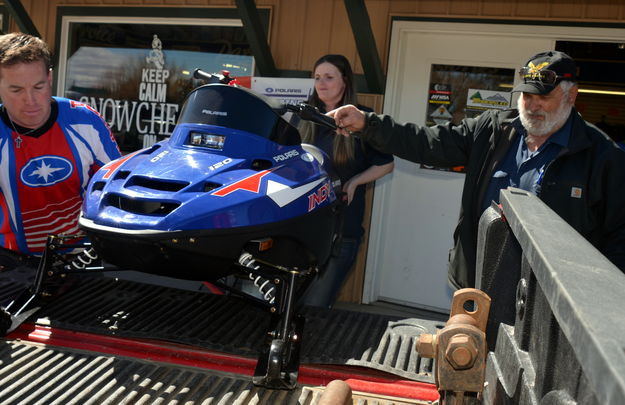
(237, 108)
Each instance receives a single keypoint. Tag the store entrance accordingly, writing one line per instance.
(444, 71)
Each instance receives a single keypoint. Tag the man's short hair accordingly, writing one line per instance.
(17, 48)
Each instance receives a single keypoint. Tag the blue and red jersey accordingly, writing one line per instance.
(43, 178)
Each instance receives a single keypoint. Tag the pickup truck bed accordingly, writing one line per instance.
(107, 340)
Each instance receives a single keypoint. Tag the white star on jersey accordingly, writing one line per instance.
(45, 171)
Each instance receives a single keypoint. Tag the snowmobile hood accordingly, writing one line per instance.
(209, 176)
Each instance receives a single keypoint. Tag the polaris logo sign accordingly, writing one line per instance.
(211, 112)
(286, 90)
(278, 90)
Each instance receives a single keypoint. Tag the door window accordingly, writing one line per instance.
(137, 74)
(458, 92)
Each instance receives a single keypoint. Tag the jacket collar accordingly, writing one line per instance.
(580, 138)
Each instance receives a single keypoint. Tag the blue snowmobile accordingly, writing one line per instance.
(232, 193)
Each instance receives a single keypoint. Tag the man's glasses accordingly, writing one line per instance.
(544, 76)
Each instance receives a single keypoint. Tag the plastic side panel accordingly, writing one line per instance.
(566, 343)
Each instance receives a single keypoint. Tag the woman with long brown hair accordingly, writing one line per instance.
(356, 164)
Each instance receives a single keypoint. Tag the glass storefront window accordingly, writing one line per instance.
(137, 75)
(457, 92)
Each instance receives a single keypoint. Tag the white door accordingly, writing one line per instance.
(415, 209)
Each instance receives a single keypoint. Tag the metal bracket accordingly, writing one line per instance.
(460, 348)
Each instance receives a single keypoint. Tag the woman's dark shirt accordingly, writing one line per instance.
(364, 157)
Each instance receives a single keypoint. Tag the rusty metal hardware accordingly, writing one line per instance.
(460, 349)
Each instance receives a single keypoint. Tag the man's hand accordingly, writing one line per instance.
(349, 119)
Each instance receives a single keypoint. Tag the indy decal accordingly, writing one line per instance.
(318, 196)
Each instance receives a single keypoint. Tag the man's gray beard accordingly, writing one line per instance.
(552, 122)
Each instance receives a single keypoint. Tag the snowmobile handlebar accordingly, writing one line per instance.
(310, 113)
(223, 78)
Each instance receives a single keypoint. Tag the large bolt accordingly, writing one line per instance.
(426, 345)
(461, 351)
(521, 298)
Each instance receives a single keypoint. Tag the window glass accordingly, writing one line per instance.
(238, 109)
(458, 92)
(138, 75)
(601, 97)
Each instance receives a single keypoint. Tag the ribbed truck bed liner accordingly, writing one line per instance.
(37, 374)
(106, 306)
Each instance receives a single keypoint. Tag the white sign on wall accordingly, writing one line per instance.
(284, 90)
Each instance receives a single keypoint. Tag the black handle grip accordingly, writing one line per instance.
(223, 78)
(202, 75)
(310, 113)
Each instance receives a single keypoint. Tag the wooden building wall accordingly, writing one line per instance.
(303, 30)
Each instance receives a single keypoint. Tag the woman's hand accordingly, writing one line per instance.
(349, 188)
(371, 174)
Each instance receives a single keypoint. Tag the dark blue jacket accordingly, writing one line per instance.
(592, 163)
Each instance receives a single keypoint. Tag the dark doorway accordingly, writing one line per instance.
(601, 68)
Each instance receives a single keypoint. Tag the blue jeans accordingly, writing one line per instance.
(324, 289)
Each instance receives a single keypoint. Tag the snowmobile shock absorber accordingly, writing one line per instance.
(82, 260)
(266, 289)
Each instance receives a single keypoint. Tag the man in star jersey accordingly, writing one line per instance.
(49, 149)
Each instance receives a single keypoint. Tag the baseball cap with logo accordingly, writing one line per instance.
(544, 71)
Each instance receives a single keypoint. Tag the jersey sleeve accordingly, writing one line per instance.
(95, 132)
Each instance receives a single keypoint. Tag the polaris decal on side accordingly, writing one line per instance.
(211, 112)
(286, 155)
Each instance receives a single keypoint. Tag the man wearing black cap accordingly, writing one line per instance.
(545, 147)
